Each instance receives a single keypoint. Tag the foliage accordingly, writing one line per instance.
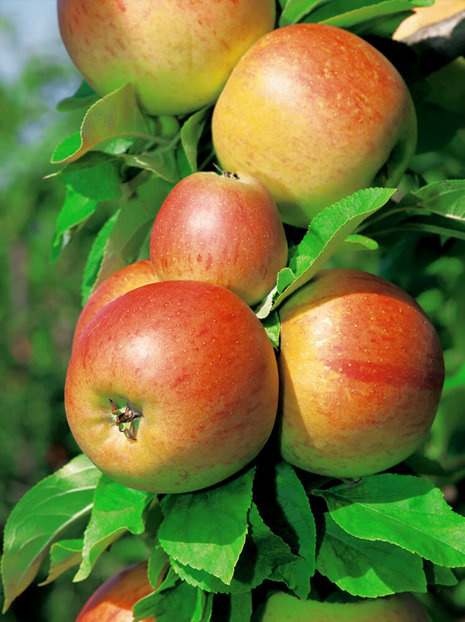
(274, 526)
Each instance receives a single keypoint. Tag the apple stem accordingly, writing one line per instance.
(227, 174)
(127, 419)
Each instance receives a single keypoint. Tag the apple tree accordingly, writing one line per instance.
(224, 551)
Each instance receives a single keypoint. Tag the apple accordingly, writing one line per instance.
(282, 607)
(134, 275)
(172, 387)
(114, 600)
(177, 54)
(315, 112)
(361, 370)
(223, 229)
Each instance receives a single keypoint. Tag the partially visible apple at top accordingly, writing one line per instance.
(177, 53)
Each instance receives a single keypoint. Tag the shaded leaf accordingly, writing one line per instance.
(189, 535)
(95, 176)
(116, 114)
(64, 555)
(402, 509)
(41, 516)
(117, 510)
(75, 210)
(367, 568)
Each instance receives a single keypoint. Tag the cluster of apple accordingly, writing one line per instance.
(173, 384)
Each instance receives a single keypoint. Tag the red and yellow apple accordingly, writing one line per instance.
(134, 275)
(172, 387)
(282, 607)
(315, 112)
(361, 371)
(177, 53)
(114, 600)
(223, 229)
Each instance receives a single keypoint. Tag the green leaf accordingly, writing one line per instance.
(297, 528)
(82, 98)
(95, 257)
(240, 607)
(295, 10)
(191, 132)
(402, 509)
(439, 575)
(365, 568)
(272, 325)
(363, 241)
(75, 210)
(326, 233)
(41, 516)
(63, 555)
(174, 601)
(263, 552)
(349, 13)
(115, 115)
(116, 510)
(445, 198)
(95, 176)
(162, 162)
(189, 535)
(132, 227)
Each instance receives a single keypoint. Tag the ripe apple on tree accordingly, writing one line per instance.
(177, 54)
(114, 600)
(134, 275)
(361, 371)
(223, 229)
(315, 112)
(282, 607)
(172, 387)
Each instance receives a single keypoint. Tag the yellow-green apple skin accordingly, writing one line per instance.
(177, 53)
(314, 112)
(282, 607)
(124, 280)
(224, 229)
(197, 372)
(361, 371)
(114, 600)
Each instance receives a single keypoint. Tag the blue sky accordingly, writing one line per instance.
(37, 32)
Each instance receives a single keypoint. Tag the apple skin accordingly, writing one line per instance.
(114, 600)
(196, 363)
(223, 229)
(361, 371)
(282, 607)
(134, 275)
(177, 53)
(315, 112)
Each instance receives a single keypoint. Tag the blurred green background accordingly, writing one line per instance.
(40, 302)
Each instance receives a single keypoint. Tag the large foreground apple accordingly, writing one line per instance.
(361, 370)
(172, 387)
(282, 607)
(224, 229)
(177, 53)
(114, 600)
(315, 112)
(134, 275)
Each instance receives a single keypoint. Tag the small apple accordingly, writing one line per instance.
(223, 229)
(315, 112)
(172, 387)
(134, 275)
(114, 600)
(424, 16)
(282, 607)
(177, 55)
(361, 371)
